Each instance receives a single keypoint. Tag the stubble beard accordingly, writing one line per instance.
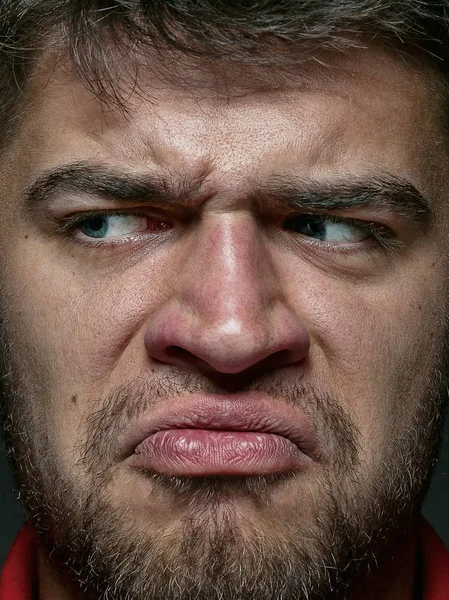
(208, 556)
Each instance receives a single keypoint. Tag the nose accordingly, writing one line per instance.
(225, 309)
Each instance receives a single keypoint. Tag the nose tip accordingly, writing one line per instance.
(227, 349)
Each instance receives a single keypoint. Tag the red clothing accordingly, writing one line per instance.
(18, 580)
(434, 564)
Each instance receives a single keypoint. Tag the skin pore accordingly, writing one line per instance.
(181, 250)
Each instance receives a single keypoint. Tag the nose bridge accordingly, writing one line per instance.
(226, 312)
(228, 278)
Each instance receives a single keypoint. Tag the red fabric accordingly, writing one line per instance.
(435, 564)
(18, 580)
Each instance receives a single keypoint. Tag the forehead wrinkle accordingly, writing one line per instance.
(141, 144)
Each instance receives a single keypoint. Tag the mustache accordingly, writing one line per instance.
(336, 431)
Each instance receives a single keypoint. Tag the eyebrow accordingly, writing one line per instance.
(382, 191)
(81, 178)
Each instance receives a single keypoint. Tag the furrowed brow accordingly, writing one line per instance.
(384, 192)
(110, 183)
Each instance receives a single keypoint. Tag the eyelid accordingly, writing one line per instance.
(381, 237)
(70, 222)
(365, 224)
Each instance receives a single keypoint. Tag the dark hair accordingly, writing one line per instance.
(246, 31)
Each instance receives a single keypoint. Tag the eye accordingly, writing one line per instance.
(329, 228)
(116, 226)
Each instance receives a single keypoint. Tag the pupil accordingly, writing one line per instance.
(95, 223)
(315, 228)
(96, 226)
(309, 225)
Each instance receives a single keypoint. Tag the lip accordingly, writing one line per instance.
(237, 434)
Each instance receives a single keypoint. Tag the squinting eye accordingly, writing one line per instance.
(103, 226)
(327, 228)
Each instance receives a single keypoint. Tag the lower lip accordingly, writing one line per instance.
(205, 452)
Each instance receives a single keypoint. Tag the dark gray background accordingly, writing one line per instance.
(436, 509)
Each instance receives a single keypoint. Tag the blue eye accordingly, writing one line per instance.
(103, 226)
(328, 228)
(95, 227)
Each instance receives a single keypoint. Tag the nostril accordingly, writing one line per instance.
(281, 357)
(176, 355)
(284, 357)
(177, 352)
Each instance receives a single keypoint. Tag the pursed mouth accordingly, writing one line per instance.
(249, 434)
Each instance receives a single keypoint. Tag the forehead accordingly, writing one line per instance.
(368, 110)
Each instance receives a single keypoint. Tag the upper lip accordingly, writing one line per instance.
(250, 411)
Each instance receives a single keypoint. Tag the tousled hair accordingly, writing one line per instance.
(278, 33)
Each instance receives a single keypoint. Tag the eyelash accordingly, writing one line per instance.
(67, 225)
(380, 236)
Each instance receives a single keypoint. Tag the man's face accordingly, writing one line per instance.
(225, 320)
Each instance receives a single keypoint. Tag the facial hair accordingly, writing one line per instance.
(101, 545)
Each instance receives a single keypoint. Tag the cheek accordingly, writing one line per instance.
(376, 349)
(79, 321)
(75, 337)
